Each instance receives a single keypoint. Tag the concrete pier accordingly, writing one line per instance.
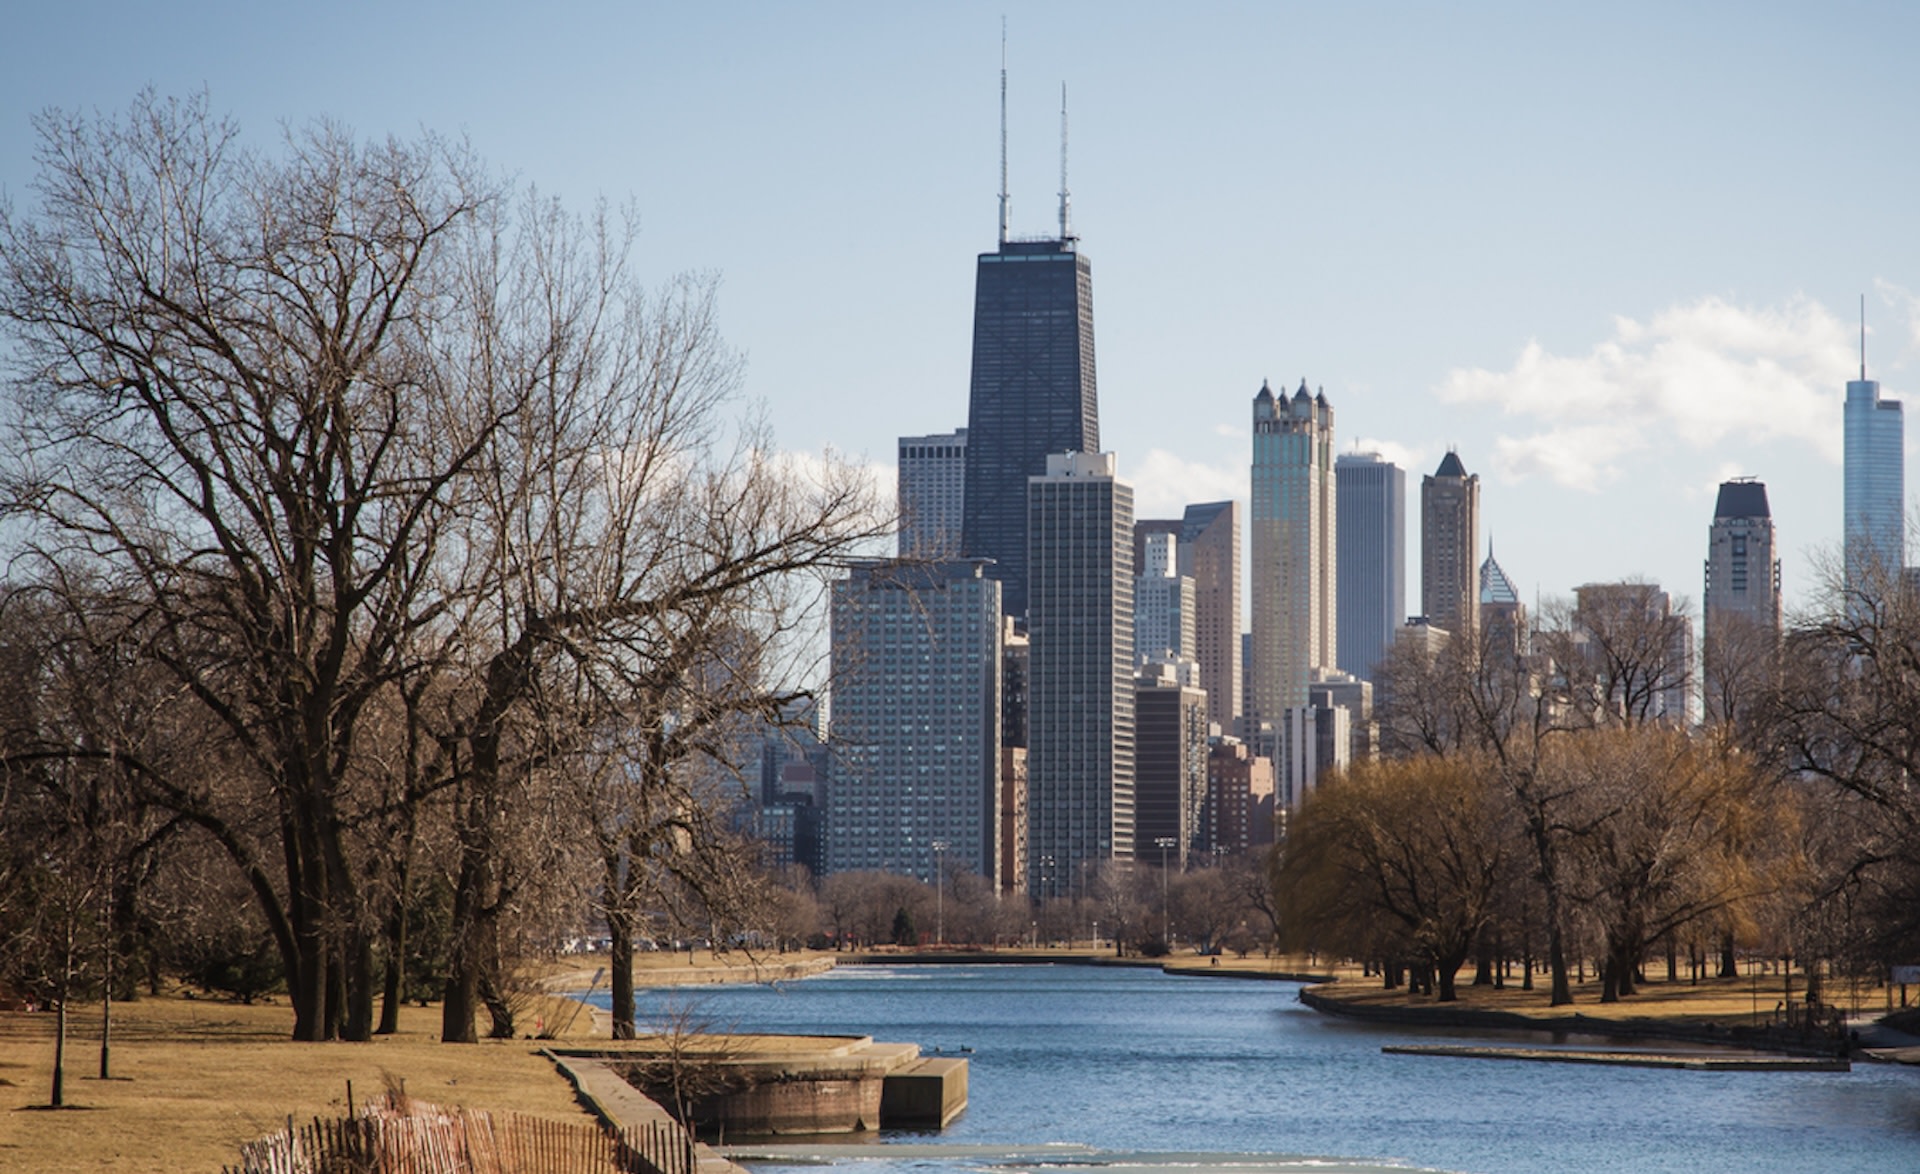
(927, 1094)
(771, 1086)
(1697, 1061)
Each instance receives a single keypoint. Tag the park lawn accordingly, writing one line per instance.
(1727, 1002)
(194, 1078)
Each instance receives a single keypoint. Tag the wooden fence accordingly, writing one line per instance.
(428, 1139)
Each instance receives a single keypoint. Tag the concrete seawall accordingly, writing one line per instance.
(1442, 1015)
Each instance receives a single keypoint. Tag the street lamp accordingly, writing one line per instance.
(939, 894)
(1166, 917)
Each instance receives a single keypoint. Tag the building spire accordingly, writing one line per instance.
(1066, 201)
(1003, 130)
(1863, 338)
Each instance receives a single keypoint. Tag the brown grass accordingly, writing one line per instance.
(195, 1078)
(1728, 1002)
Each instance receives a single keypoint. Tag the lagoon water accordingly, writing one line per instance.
(1155, 1072)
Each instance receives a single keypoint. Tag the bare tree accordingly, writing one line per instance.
(412, 493)
(1843, 719)
(1678, 832)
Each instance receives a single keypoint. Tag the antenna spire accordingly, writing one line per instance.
(1003, 131)
(1863, 338)
(1066, 201)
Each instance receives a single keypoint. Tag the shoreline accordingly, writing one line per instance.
(1629, 1022)
(1665, 1029)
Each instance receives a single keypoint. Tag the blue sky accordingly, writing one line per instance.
(1612, 254)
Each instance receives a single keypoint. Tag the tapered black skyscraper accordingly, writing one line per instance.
(1033, 390)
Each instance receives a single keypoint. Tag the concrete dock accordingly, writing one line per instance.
(1695, 1061)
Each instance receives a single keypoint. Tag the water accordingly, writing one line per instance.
(1139, 1065)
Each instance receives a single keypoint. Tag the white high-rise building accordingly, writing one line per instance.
(1294, 554)
(1163, 605)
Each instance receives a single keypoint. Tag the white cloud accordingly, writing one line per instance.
(1415, 460)
(1164, 484)
(1906, 304)
(1699, 374)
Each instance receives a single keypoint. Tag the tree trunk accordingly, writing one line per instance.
(499, 1009)
(394, 988)
(1729, 965)
(620, 967)
(1557, 965)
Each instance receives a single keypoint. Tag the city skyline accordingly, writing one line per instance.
(1563, 244)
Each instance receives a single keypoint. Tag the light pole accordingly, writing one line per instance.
(939, 894)
(1166, 917)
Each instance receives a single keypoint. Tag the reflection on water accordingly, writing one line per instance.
(1146, 1072)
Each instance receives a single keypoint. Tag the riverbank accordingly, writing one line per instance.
(1739, 1012)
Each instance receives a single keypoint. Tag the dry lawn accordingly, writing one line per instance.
(1725, 1001)
(195, 1078)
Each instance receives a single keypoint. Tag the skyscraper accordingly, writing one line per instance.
(1163, 602)
(1033, 391)
(1372, 555)
(1876, 485)
(1080, 726)
(1449, 544)
(932, 493)
(1210, 556)
(1207, 551)
(1293, 549)
(1740, 606)
(1170, 753)
(1503, 617)
(916, 719)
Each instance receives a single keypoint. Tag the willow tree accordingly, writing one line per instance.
(1407, 856)
(1681, 831)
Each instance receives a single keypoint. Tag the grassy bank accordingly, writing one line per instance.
(195, 1077)
(192, 1079)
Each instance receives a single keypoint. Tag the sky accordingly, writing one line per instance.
(1610, 254)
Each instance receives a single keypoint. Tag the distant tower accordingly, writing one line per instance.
(1210, 556)
(1208, 552)
(1876, 486)
(1080, 724)
(1033, 391)
(916, 719)
(1741, 604)
(1163, 602)
(1293, 549)
(1503, 617)
(1170, 752)
(1372, 557)
(933, 492)
(1449, 544)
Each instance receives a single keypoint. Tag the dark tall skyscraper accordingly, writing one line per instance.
(1032, 392)
(1371, 537)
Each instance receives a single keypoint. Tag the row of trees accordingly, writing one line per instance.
(1534, 801)
(1224, 906)
(383, 554)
